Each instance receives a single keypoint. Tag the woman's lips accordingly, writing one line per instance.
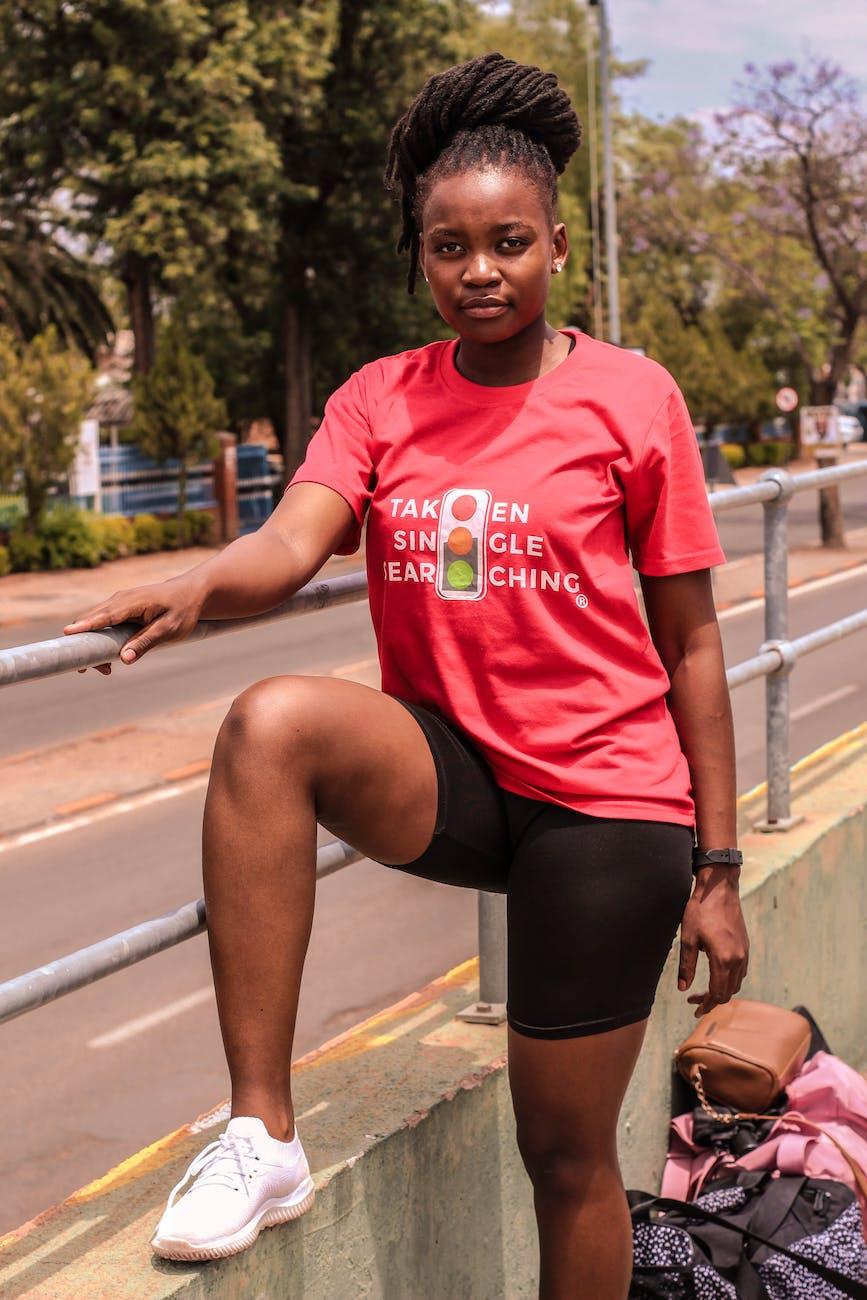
(485, 310)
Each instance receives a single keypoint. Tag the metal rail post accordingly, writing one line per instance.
(491, 1006)
(776, 520)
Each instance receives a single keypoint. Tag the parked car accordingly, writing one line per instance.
(853, 421)
(850, 429)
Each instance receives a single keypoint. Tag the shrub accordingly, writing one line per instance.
(63, 540)
(779, 452)
(735, 454)
(202, 527)
(115, 535)
(5, 561)
(173, 537)
(68, 540)
(25, 551)
(147, 533)
(12, 511)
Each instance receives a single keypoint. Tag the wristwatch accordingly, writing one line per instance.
(715, 857)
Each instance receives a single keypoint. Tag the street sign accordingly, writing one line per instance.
(84, 476)
(820, 428)
(787, 399)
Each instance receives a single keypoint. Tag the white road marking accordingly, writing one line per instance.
(115, 809)
(803, 589)
(142, 1024)
(815, 705)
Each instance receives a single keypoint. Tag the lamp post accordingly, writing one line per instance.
(608, 172)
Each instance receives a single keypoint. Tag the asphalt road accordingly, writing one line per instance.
(86, 1081)
(313, 643)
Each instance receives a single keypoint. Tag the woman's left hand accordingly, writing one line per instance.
(713, 923)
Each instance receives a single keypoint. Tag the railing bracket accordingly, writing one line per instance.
(483, 1013)
(781, 824)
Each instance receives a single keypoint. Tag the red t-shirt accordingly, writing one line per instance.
(500, 587)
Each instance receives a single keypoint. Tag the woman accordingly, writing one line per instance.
(530, 736)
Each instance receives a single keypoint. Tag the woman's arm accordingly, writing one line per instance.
(683, 625)
(250, 576)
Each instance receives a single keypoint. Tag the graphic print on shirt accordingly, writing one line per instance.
(476, 544)
(461, 567)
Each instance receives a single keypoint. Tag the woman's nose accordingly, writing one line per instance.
(481, 270)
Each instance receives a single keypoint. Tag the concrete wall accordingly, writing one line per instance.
(420, 1192)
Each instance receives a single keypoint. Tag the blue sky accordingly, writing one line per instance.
(699, 47)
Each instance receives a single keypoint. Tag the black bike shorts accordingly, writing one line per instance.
(593, 903)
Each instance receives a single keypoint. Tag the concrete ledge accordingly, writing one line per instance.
(408, 1122)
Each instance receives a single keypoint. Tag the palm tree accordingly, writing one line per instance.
(43, 283)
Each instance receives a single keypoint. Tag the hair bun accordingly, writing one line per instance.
(491, 90)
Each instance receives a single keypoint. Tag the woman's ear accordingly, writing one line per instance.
(559, 246)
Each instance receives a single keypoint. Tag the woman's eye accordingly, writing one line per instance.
(447, 248)
(512, 241)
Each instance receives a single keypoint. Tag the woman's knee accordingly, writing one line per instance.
(274, 714)
(567, 1165)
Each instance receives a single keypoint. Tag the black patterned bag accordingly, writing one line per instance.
(750, 1237)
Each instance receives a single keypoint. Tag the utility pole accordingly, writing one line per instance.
(608, 170)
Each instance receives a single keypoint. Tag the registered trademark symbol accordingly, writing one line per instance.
(581, 602)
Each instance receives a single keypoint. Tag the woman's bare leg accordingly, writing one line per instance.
(293, 750)
(567, 1094)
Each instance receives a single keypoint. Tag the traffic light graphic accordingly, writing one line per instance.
(462, 572)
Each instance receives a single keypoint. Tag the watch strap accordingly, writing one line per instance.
(716, 857)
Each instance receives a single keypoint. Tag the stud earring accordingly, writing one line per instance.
(558, 266)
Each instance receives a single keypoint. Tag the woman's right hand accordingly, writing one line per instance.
(168, 611)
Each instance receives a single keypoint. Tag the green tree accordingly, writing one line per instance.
(797, 142)
(676, 300)
(45, 390)
(176, 411)
(338, 291)
(140, 115)
(43, 283)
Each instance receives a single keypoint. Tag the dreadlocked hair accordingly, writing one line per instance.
(490, 110)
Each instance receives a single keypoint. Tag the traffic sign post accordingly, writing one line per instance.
(820, 436)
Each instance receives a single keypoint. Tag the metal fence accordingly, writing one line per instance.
(133, 483)
(775, 659)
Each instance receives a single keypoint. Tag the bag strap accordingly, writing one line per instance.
(849, 1286)
(857, 1172)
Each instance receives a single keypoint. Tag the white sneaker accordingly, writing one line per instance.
(243, 1182)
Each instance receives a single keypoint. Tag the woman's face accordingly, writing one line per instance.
(488, 248)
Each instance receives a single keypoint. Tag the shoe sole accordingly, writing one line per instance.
(271, 1214)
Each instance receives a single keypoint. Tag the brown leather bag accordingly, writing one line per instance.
(744, 1053)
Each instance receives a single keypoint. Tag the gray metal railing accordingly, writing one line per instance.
(776, 658)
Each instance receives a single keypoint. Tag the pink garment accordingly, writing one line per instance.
(827, 1092)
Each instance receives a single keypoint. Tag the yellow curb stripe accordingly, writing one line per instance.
(133, 1165)
(847, 740)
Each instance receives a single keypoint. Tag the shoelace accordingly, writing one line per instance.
(224, 1162)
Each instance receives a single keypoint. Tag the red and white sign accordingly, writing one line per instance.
(787, 399)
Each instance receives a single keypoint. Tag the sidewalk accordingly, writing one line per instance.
(163, 755)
